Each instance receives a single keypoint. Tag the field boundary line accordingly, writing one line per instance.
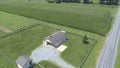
(5, 56)
(19, 30)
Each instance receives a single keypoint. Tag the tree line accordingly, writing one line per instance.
(105, 2)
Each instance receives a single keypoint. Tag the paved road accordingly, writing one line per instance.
(108, 54)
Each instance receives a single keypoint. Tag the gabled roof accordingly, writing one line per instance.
(57, 38)
(22, 60)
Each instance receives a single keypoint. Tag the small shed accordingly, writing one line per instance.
(56, 39)
(24, 62)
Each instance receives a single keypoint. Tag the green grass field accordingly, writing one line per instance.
(24, 42)
(47, 64)
(32, 38)
(14, 22)
(74, 50)
(83, 18)
(117, 62)
(2, 33)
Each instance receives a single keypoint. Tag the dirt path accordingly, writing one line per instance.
(4, 29)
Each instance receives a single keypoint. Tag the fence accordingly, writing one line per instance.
(57, 29)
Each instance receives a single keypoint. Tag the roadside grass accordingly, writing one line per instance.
(82, 17)
(77, 50)
(93, 57)
(22, 43)
(14, 22)
(117, 60)
(47, 64)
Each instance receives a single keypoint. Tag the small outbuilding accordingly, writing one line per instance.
(24, 62)
(56, 39)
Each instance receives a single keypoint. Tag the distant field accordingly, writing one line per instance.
(92, 18)
(24, 42)
(14, 22)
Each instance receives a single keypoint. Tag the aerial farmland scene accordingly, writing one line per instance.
(59, 34)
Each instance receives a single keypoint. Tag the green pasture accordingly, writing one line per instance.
(14, 22)
(77, 51)
(23, 43)
(92, 19)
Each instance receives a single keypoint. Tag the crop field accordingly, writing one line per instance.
(23, 43)
(83, 18)
(94, 21)
(14, 22)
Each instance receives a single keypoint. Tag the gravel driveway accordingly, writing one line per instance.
(51, 54)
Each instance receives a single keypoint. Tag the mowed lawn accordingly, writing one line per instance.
(77, 50)
(47, 64)
(117, 61)
(23, 43)
(14, 22)
(88, 18)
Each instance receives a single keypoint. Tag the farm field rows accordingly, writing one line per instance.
(14, 22)
(57, 16)
(99, 19)
(24, 42)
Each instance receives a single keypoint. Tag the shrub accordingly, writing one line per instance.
(85, 40)
(58, 1)
(50, 1)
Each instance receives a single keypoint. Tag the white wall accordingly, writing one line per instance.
(19, 66)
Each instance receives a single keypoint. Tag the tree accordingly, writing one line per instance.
(102, 2)
(86, 1)
(77, 1)
(50, 1)
(109, 2)
(58, 1)
(112, 2)
(85, 39)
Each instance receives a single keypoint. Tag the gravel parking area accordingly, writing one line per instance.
(45, 52)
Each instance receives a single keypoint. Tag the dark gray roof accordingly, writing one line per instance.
(22, 60)
(57, 38)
